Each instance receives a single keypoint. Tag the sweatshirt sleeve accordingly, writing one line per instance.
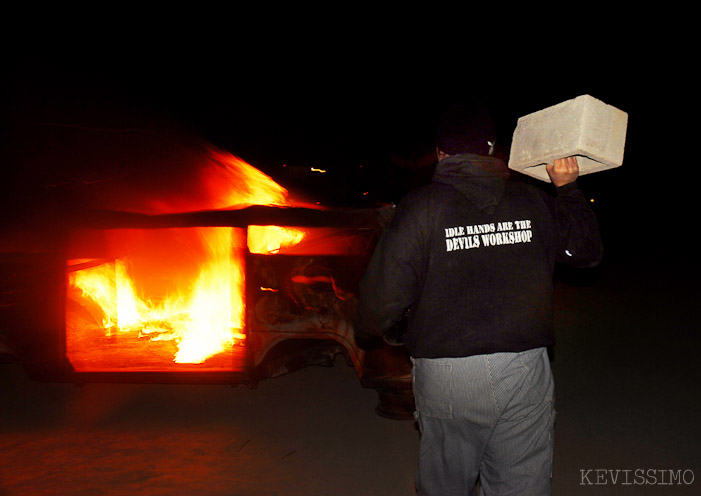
(579, 239)
(392, 281)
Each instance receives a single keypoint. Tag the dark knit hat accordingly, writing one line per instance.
(466, 127)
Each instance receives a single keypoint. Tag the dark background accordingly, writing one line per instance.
(124, 118)
(97, 118)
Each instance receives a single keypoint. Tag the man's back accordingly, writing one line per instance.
(475, 276)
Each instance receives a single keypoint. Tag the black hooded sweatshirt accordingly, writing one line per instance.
(470, 260)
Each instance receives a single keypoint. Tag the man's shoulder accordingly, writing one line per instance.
(519, 187)
(429, 192)
(419, 202)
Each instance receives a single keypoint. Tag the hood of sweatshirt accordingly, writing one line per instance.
(482, 179)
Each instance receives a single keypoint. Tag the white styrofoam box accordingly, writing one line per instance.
(584, 127)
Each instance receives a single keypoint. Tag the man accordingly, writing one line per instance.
(469, 259)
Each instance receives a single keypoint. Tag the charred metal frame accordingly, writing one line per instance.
(38, 280)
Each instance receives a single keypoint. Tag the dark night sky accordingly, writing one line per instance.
(299, 112)
(334, 113)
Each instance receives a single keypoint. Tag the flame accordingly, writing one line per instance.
(270, 239)
(204, 316)
(231, 182)
(202, 321)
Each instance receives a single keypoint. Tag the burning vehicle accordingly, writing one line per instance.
(233, 289)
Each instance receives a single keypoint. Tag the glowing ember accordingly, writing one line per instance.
(204, 314)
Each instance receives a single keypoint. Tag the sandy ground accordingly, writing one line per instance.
(627, 384)
(310, 432)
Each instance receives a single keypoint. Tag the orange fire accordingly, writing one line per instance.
(201, 314)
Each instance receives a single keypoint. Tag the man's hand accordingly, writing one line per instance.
(563, 171)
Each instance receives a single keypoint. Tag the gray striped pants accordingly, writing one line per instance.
(486, 416)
